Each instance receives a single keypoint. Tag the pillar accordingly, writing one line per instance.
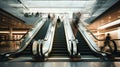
(10, 37)
(118, 33)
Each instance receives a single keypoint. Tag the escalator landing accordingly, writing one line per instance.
(58, 58)
(62, 59)
(62, 64)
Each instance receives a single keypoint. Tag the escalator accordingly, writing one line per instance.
(40, 35)
(26, 54)
(85, 51)
(59, 48)
(89, 50)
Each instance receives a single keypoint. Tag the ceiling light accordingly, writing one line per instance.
(109, 24)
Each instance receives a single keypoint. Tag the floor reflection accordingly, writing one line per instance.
(60, 64)
(109, 64)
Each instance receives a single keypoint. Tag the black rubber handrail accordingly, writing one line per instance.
(95, 50)
(71, 48)
(14, 52)
(115, 46)
(113, 40)
(41, 50)
(43, 54)
(23, 35)
(95, 36)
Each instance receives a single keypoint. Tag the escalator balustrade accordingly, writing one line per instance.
(40, 35)
(83, 48)
(82, 45)
(27, 52)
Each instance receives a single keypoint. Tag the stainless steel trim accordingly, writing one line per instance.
(48, 40)
(70, 38)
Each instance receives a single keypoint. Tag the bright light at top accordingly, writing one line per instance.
(55, 4)
(58, 6)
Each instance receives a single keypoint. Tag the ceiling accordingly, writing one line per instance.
(90, 9)
(37, 5)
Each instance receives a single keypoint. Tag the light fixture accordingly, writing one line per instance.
(110, 24)
(23, 4)
(13, 32)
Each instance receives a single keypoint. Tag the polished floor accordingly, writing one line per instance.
(60, 64)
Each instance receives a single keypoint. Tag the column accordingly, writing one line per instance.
(118, 33)
(10, 37)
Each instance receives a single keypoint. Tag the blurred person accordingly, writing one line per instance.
(75, 21)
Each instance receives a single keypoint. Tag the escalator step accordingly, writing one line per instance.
(59, 55)
(59, 44)
(40, 35)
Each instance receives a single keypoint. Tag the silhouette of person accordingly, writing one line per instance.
(75, 21)
(108, 37)
(107, 42)
(49, 16)
(58, 20)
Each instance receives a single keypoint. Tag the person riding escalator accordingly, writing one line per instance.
(107, 43)
(75, 21)
(58, 20)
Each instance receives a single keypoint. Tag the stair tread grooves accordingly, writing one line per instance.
(59, 43)
(41, 33)
(83, 47)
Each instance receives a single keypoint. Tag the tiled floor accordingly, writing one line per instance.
(60, 64)
(28, 62)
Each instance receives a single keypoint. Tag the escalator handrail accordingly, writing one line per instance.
(115, 46)
(40, 50)
(72, 47)
(37, 28)
(49, 38)
(90, 44)
(94, 35)
(112, 40)
(100, 52)
(50, 46)
(24, 34)
(68, 47)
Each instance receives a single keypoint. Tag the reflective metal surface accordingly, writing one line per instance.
(61, 64)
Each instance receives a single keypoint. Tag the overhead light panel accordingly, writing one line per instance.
(109, 24)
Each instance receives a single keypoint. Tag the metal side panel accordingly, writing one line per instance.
(31, 35)
(89, 40)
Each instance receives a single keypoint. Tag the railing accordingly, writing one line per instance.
(46, 45)
(29, 37)
(115, 45)
(24, 34)
(90, 41)
(12, 45)
(35, 48)
(32, 33)
(70, 38)
(113, 41)
(48, 40)
(108, 43)
(93, 45)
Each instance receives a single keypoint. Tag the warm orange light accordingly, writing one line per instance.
(109, 24)
(13, 32)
